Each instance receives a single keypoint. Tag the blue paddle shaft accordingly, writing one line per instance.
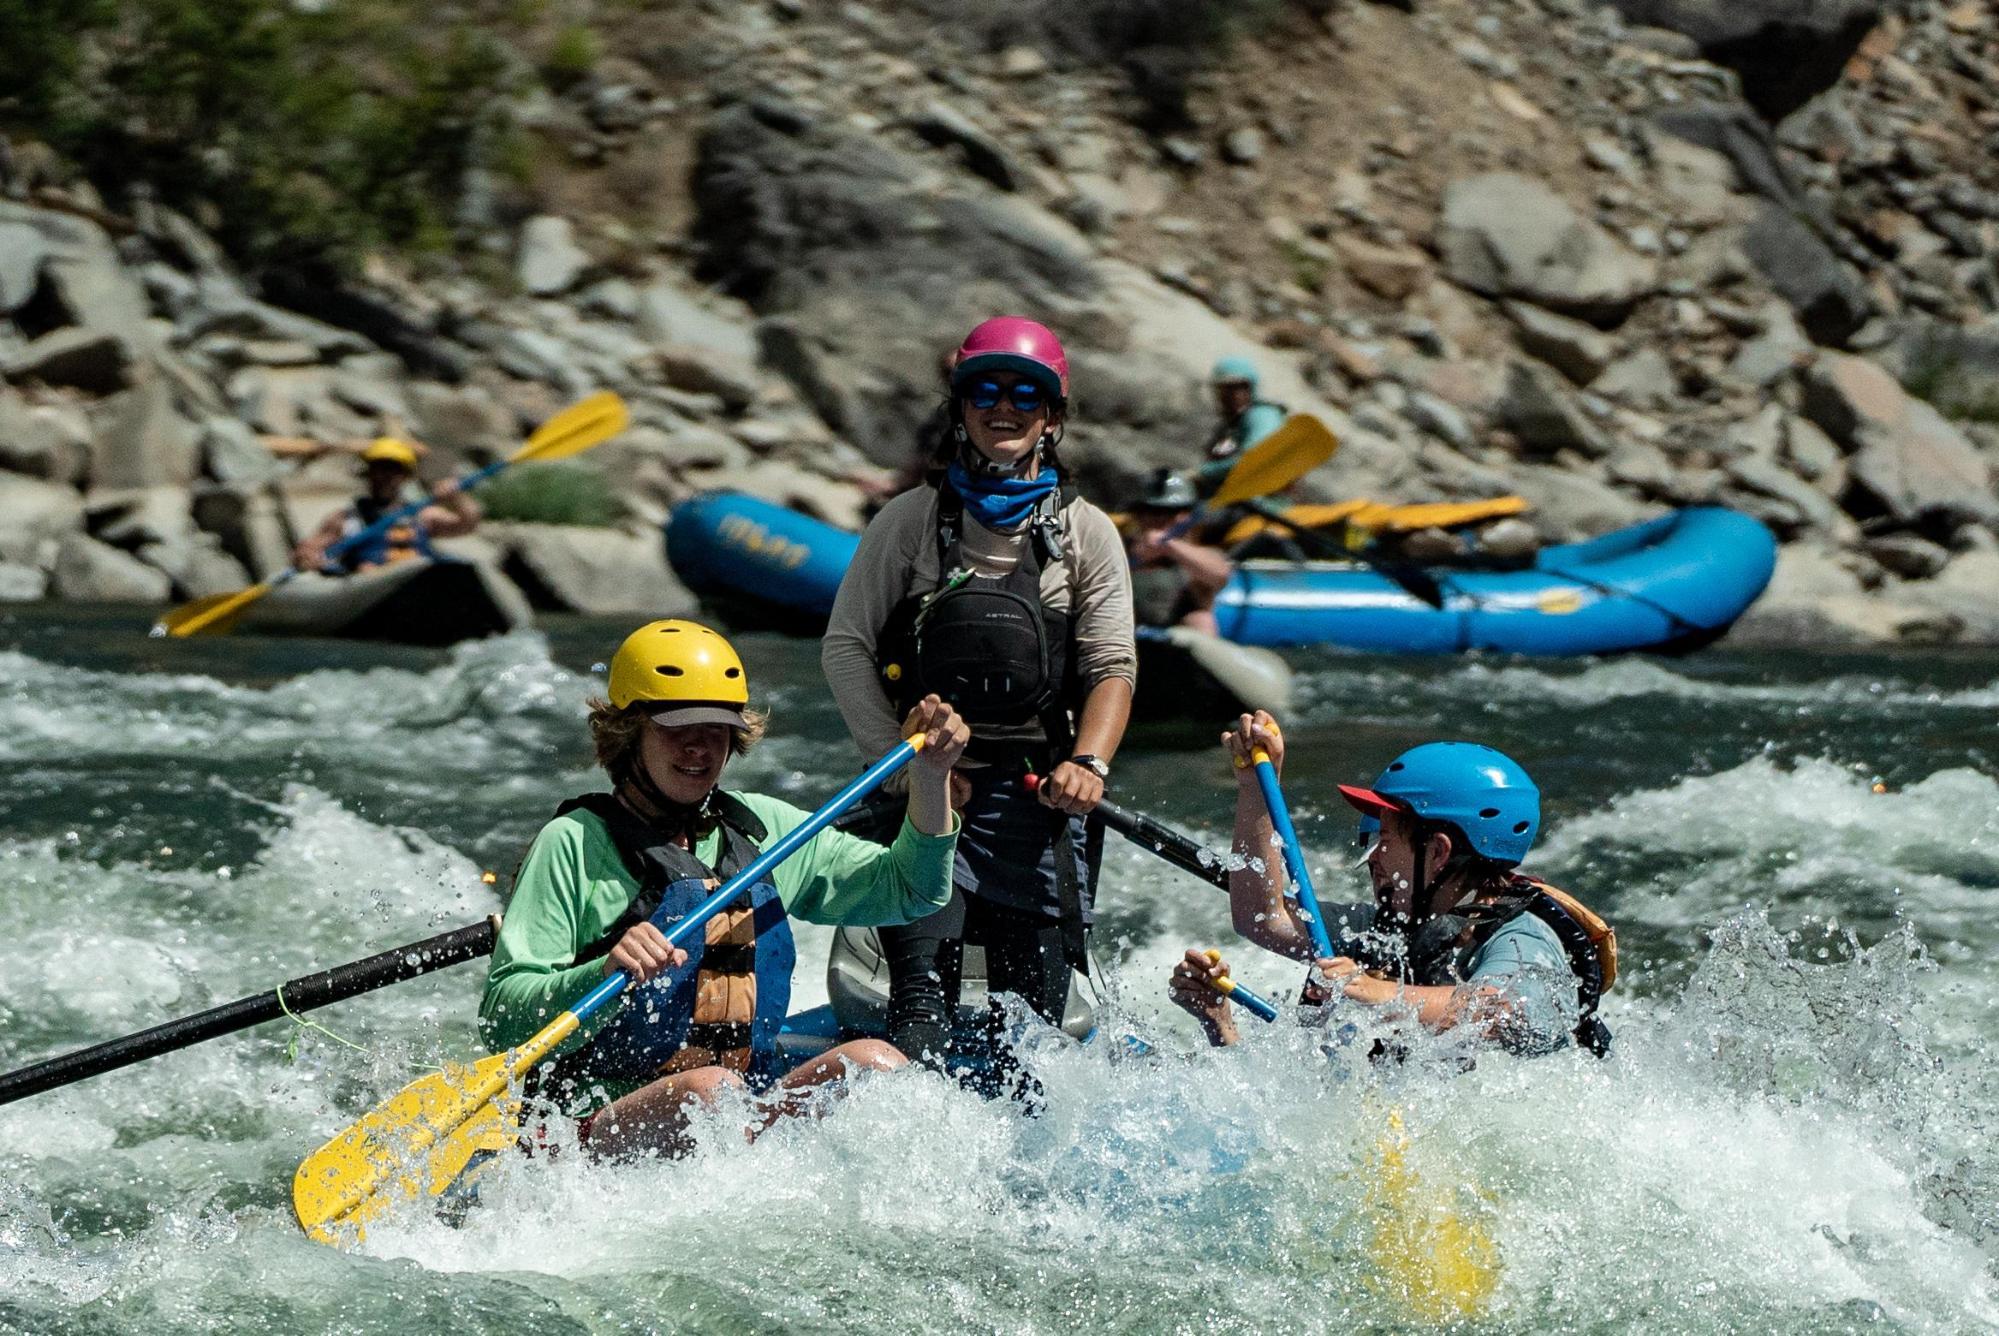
(1251, 1002)
(869, 780)
(1294, 856)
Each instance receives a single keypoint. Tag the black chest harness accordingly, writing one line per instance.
(988, 645)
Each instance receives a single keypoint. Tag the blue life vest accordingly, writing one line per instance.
(702, 1013)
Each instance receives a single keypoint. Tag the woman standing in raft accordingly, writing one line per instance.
(595, 875)
(1002, 591)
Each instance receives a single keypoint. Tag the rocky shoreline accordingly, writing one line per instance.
(1611, 258)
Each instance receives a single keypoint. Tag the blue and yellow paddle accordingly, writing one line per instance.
(419, 1141)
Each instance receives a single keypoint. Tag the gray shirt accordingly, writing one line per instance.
(898, 557)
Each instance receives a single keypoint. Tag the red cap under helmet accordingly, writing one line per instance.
(1013, 343)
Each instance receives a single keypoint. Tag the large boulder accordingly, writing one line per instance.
(1787, 51)
(48, 441)
(608, 572)
(1906, 459)
(22, 251)
(92, 360)
(33, 514)
(1537, 408)
(1507, 235)
(1963, 592)
(142, 440)
(1828, 297)
(87, 571)
(86, 282)
(1569, 507)
(1815, 599)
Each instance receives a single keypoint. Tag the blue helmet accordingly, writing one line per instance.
(1482, 792)
(1232, 369)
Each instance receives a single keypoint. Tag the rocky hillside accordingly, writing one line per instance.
(1612, 257)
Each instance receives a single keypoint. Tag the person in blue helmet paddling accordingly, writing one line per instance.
(1242, 419)
(1457, 935)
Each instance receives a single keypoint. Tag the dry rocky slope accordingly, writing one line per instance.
(1612, 257)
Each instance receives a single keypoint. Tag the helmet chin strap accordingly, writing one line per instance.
(977, 463)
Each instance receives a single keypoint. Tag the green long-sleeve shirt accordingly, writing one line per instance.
(573, 885)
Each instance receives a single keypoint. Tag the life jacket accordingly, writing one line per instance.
(406, 540)
(1443, 949)
(1006, 662)
(988, 645)
(726, 1006)
(1223, 443)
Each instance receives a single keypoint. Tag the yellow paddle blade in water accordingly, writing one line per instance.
(1427, 1253)
(417, 1143)
(216, 613)
(1278, 460)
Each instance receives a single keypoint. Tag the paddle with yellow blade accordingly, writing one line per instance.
(418, 1142)
(1272, 464)
(572, 431)
(1423, 1250)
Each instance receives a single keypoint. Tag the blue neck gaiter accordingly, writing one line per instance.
(1001, 504)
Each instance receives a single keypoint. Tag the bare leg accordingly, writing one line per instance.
(654, 1120)
(794, 1093)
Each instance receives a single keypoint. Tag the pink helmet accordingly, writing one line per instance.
(1013, 343)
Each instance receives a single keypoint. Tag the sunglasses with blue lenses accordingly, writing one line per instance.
(1024, 395)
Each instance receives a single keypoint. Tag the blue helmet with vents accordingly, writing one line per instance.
(1479, 790)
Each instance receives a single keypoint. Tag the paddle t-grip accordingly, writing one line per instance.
(1251, 1002)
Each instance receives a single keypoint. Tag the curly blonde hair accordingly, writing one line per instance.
(614, 733)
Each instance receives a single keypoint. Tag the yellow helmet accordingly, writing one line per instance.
(389, 450)
(681, 664)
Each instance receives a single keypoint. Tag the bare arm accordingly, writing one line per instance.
(1207, 568)
(310, 553)
(451, 513)
(1257, 904)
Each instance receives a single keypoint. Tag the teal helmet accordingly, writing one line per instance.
(1480, 791)
(1231, 370)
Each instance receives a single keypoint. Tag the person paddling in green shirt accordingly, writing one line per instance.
(703, 1020)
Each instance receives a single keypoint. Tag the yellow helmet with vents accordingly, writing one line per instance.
(682, 673)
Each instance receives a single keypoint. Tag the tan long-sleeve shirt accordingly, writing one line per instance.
(898, 557)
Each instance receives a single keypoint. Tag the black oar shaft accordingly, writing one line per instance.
(302, 994)
(1168, 843)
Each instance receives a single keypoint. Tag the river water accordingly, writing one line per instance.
(1795, 1132)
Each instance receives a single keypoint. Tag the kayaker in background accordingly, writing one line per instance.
(1174, 580)
(1457, 934)
(389, 467)
(1243, 420)
(1003, 591)
(678, 710)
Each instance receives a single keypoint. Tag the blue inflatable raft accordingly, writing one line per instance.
(1673, 583)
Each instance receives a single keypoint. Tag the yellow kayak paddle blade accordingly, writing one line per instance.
(417, 1143)
(1427, 1253)
(214, 615)
(575, 429)
(1278, 460)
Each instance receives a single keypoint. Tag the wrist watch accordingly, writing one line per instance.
(1096, 765)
